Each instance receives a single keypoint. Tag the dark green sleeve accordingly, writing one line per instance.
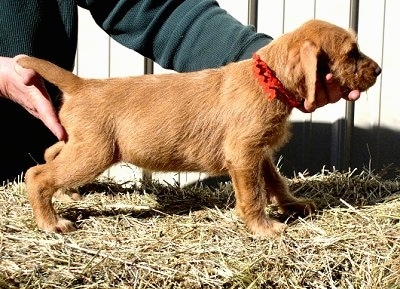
(43, 28)
(183, 35)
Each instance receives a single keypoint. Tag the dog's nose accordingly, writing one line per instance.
(377, 71)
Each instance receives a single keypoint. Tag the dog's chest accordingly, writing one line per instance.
(275, 132)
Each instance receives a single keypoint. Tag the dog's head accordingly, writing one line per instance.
(304, 56)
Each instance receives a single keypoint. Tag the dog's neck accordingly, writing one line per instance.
(270, 84)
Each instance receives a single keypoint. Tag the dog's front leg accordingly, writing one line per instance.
(251, 198)
(278, 191)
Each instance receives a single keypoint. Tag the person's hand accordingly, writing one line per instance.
(329, 92)
(25, 87)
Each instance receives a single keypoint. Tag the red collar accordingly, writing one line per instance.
(271, 84)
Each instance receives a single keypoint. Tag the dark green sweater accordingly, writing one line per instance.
(177, 34)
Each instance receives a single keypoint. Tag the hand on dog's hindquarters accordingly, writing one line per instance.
(25, 87)
(331, 92)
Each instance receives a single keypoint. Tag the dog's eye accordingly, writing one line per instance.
(354, 53)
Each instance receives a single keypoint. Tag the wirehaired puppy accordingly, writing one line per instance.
(222, 121)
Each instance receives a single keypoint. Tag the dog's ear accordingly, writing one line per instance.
(309, 61)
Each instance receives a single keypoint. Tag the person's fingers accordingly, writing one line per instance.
(53, 124)
(40, 104)
(335, 92)
(27, 75)
(308, 107)
(45, 111)
(328, 90)
(354, 95)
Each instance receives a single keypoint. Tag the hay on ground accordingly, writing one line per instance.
(165, 236)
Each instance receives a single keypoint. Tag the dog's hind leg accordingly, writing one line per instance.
(72, 166)
(62, 194)
(53, 151)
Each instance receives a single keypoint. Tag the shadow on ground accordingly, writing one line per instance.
(328, 190)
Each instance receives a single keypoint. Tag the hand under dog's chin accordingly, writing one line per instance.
(347, 94)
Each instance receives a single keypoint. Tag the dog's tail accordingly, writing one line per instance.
(63, 79)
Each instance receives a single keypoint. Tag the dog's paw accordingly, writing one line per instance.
(267, 227)
(302, 207)
(67, 195)
(61, 226)
(64, 226)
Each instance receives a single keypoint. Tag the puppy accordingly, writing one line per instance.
(228, 120)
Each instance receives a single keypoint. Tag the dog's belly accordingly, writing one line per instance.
(173, 161)
(173, 154)
(171, 146)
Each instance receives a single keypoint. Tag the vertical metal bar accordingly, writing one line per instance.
(148, 66)
(252, 18)
(147, 69)
(349, 114)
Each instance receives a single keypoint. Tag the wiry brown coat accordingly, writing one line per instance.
(217, 121)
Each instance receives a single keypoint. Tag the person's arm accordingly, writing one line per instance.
(180, 35)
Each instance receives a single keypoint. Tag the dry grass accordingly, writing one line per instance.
(163, 236)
